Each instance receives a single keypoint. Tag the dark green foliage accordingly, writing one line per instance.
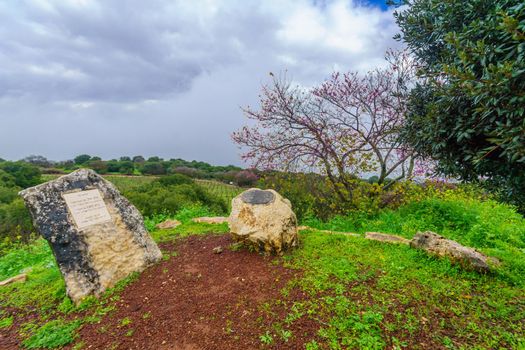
(83, 158)
(98, 165)
(126, 167)
(221, 190)
(168, 195)
(153, 168)
(23, 174)
(6, 179)
(7, 193)
(138, 159)
(469, 112)
(202, 165)
(113, 166)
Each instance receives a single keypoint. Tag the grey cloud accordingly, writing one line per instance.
(163, 77)
(115, 51)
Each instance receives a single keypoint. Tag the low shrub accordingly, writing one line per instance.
(6, 179)
(312, 195)
(22, 174)
(170, 194)
(8, 194)
(153, 168)
(15, 221)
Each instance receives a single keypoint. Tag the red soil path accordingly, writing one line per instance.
(198, 300)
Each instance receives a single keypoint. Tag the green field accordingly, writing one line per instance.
(222, 190)
(122, 182)
(125, 183)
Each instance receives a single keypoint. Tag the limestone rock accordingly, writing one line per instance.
(168, 224)
(97, 236)
(211, 220)
(350, 234)
(263, 219)
(18, 278)
(437, 245)
(383, 237)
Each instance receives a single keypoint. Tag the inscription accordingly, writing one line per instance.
(257, 197)
(87, 208)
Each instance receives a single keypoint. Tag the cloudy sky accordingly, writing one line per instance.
(165, 77)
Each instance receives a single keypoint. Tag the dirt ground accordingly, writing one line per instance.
(197, 300)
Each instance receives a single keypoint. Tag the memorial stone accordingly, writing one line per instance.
(264, 220)
(97, 236)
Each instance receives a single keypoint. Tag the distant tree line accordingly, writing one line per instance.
(15, 222)
(139, 165)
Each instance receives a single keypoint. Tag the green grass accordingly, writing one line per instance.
(187, 228)
(35, 255)
(494, 228)
(370, 295)
(52, 335)
(6, 322)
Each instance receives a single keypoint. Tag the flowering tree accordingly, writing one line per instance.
(346, 126)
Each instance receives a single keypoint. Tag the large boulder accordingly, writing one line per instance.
(97, 236)
(437, 245)
(264, 220)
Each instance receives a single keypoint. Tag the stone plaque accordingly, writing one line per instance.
(87, 208)
(257, 197)
(97, 236)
